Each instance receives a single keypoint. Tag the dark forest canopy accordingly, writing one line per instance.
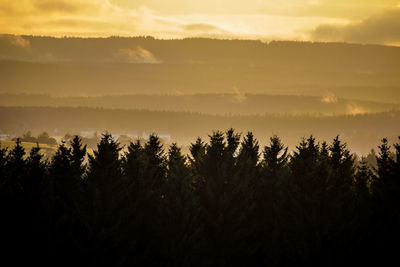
(361, 131)
(224, 204)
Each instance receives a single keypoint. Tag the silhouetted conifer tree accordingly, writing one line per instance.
(145, 171)
(248, 156)
(34, 200)
(384, 161)
(133, 164)
(155, 163)
(321, 199)
(271, 198)
(78, 154)
(62, 181)
(33, 181)
(226, 202)
(363, 236)
(343, 206)
(180, 227)
(341, 161)
(275, 158)
(15, 170)
(196, 160)
(397, 159)
(386, 199)
(14, 233)
(363, 179)
(106, 211)
(139, 194)
(3, 161)
(61, 190)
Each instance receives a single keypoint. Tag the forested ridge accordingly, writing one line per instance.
(217, 104)
(229, 202)
(201, 50)
(145, 65)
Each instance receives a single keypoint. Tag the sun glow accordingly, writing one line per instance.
(314, 20)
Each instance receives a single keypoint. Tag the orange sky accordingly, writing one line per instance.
(360, 21)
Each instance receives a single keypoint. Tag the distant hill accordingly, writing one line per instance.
(286, 54)
(361, 131)
(144, 65)
(218, 104)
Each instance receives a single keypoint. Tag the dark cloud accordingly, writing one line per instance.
(379, 29)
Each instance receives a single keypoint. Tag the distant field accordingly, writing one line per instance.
(46, 149)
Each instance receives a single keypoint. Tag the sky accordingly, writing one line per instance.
(357, 21)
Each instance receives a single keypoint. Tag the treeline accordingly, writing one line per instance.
(203, 50)
(216, 104)
(43, 138)
(225, 204)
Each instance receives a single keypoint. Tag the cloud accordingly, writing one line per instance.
(136, 55)
(40, 7)
(297, 8)
(349, 9)
(62, 6)
(84, 18)
(383, 28)
(254, 19)
(72, 17)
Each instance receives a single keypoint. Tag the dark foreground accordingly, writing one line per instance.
(223, 205)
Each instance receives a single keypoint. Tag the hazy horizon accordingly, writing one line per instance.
(180, 80)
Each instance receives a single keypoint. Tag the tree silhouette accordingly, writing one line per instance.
(226, 201)
(386, 199)
(15, 167)
(78, 154)
(105, 218)
(196, 160)
(3, 161)
(269, 196)
(145, 171)
(181, 231)
(222, 205)
(12, 204)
